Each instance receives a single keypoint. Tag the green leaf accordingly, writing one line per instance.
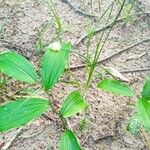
(53, 65)
(73, 104)
(143, 112)
(18, 67)
(146, 90)
(69, 141)
(21, 111)
(116, 87)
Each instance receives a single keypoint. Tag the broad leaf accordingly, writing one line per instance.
(21, 111)
(146, 90)
(116, 87)
(143, 112)
(53, 65)
(18, 67)
(69, 141)
(73, 104)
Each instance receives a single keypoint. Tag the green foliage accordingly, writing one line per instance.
(143, 113)
(53, 65)
(69, 141)
(116, 87)
(73, 104)
(18, 67)
(146, 90)
(21, 111)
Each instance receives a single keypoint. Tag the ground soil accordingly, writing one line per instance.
(108, 114)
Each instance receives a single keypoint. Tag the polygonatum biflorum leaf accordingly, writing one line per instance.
(146, 90)
(143, 113)
(18, 67)
(53, 65)
(73, 104)
(69, 141)
(116, 87)
(18, 113)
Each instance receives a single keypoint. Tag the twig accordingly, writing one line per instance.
(113, 55)
(31, 135)
(100, 138)
(135, 70)
(7, 145)
(98, 30)
(77, 10)
(125, 49)
(87, 137)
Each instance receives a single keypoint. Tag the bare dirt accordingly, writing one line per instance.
(108, 115)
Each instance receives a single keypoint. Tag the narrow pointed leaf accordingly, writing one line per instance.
(53, 65)
(18, 67)
(21, 111)
(73, 104)
(146, 90)
(116, 87)
(69, 141)
(143, 112)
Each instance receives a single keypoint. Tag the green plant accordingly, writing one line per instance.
(141, 115)
(25, 109)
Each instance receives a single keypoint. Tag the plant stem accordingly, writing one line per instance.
(99, 49)
(63, 121)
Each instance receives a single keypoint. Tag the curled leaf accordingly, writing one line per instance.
(115, 73)
(56, 46)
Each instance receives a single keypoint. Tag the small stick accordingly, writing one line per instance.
(135, 70)
(98, 30)
(77, 10)
(7, 145)
(31, 135)
(113, 55)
